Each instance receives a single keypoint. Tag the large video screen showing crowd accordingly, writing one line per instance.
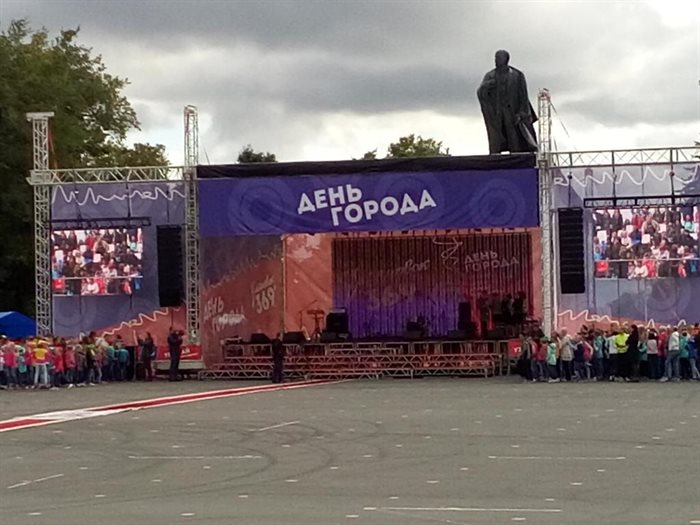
(646, 243)
(97, 262)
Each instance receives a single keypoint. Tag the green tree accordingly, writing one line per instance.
(412, 146)
(370, 155)
(249, 155)
(92, 118)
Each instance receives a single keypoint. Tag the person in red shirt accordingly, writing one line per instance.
(58, 366)
(69, 365)
(10, 356)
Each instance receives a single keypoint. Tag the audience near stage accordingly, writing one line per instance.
(59, 363)
(96, 262)
(622, 353)
(646, 243)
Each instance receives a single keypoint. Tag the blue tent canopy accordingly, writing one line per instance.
(15, 325)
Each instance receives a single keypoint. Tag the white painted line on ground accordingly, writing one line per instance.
(369, 508)
(291, 480)
(560, 458)
(352, 516)
(518, 518)
(206, 467)
(34, 514)
(48, 478)
(550, 499)
(575, 483)
(20, 484)
(156, 480)
(470, 509)
(433, 481)
(194, 457)
(187, 514)
(279, 425)
(29, 482)
(100, 496)
(600, 470)
(243, 496)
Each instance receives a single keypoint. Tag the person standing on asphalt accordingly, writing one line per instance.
(673, 355)
(175, 347)
(633, 354)
(277, 360)
(148, 350)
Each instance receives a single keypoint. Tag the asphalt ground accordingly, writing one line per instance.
(434, 451)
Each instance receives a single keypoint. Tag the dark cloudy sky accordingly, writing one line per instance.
(312, 80)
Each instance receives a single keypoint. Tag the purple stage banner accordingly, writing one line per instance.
(368, 202)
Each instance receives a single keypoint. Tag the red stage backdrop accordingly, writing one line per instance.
(242, 292)
(308, 280)
(385, 282)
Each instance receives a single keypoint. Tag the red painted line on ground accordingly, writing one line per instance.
(29, 421)
(26, 422)
(202, 396)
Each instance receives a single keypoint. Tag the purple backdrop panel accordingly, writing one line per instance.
(386, 282)
(369, 202)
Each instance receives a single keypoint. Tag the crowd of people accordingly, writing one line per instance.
(646, 243)
(59, 363)
(622, 353)
(96, 262)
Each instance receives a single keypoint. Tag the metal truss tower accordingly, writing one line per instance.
(191, 222)
(544, 112)
(42, 220)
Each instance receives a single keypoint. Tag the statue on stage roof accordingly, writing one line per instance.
(507, 111)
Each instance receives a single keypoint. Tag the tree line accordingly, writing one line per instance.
(39, 72)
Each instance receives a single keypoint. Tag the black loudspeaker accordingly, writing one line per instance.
(464, 315)
(572, 265)
(259, 339)
(293, 338)
(337, 321)
(170, 254)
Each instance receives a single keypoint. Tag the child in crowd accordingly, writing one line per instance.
(58, 366)
(69, 365)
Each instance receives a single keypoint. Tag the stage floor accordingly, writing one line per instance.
(451, 451)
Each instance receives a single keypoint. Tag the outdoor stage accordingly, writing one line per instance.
(391, 241)
(367, 360)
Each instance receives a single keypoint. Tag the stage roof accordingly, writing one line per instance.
(413, 164)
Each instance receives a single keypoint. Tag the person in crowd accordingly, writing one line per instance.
(69, 365)
(175, 348)
(89, 347)
(40, 361)
(622, 362)
(673, 355)
(277, 360)
(9, 352)
(3, 375)
(612, 354)
(693, 355)
(566, 355)
(598, 355)
(652, 345)
(552, 358)
(124, 359)
(632, 354)
(684, 363)
(148, 353)
(58, 366)
(541, 357)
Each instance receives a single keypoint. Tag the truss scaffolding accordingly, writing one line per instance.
(43, 179)
(191, 223)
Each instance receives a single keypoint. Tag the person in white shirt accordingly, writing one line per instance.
(673, 357)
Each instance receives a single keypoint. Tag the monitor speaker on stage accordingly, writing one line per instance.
(464, 315)
(170, 261)
(337, 321)
(572, 265)
(259, 339)
(293, 338)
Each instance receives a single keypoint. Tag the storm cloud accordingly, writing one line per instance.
(332, 79)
